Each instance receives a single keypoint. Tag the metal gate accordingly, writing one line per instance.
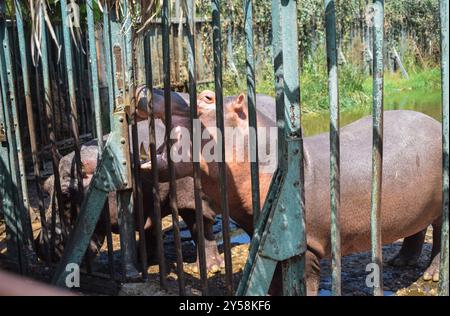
(282, 216)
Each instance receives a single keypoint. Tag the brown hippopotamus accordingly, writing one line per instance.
(185, 187)
(411, 197)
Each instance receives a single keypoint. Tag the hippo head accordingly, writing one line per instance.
(236, 111)
(180, 108)
(70, 197)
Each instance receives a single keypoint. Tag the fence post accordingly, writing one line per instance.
(333, 94)
(218, 82)
(377, 149)
(200, 241)
(166, 24)
(443, 286)
(251, 102)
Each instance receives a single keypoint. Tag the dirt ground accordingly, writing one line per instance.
(397, 281)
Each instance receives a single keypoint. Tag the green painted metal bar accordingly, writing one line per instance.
(168, 121)
(108, 60)
(119, 88)
(443, 285)
(218, 82)
(294, 136)
(72, 96)
(279, 82)
(78, 89)
(251, 102)
(98, 119)
(132, 71)
(333, 95)
(249, 281)
(16, 154)
(154, 160)
(200, 238)
(31, 125)
(282, 217)
(7, 187)
(377, 147)
(113, 173)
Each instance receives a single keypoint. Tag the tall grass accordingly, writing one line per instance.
(355, 83)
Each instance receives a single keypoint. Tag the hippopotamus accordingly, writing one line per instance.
(179, 102)
(185, 188)
(411, 195)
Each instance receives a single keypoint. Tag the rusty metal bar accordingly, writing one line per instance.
(154, 160)
(377, 147)
(218, 82)
(168, 120)
(335, 194)
(443, 285)
(200, 241)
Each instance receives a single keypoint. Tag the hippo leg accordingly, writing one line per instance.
(312, 273)
(432, 272)
(312, 266)
(410, 252)
(213, 259)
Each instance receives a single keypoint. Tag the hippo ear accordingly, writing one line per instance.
(239, 106)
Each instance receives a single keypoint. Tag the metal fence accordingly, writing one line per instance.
(281, 218)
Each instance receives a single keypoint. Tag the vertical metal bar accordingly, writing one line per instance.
(31, 126)
(153, 149)
(119, 88)
(251, 101)
(23, 207)
(294, 270)
(443, 285)
(190, 18)
(168, 119)
(108, 60)
(111, 98)
(48, 105)
(279, 81)
(217, 47)
(335, 195)
(72, 96)
(7, 186)
(94, 75)
(78, 90)
(377, 149)
(98, 121)
(138, 195)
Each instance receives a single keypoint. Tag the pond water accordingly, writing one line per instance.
(421, 101)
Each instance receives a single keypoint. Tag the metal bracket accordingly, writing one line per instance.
(113, 173)
(281, 220)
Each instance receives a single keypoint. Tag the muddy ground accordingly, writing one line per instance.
(397, 281)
